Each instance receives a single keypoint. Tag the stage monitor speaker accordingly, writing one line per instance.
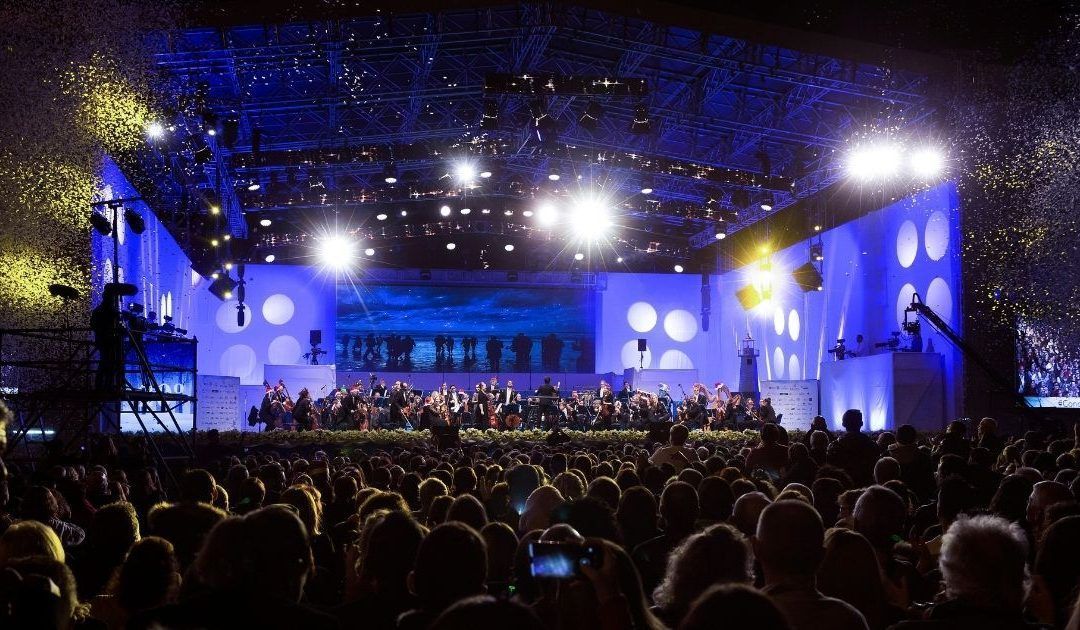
(642, 345)
(807, 277)
(748, 296)
(315, 337)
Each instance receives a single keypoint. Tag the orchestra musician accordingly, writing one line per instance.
(304, 411)
(663, 398)
(399, 402)
(607, 407)
(549, 404)
(481, 405)
(766, 412)
(270, 409)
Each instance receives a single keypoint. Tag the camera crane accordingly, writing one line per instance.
(918, 308)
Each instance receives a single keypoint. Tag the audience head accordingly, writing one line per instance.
(149, 577)
(679, 507)
(879, 516)
(483, 612)
(451, 564)
(984, 562)
(742, 607)
(789, 540)
(27, 539)
(852, 420)
(718, 555)
(678, 435)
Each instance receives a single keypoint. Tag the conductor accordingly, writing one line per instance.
(549, 404)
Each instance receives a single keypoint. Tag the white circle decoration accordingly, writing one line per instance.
(903, 300)
(777, 362)
(675, 360)
(641, 316)
(794, 324)
(939, 298)
(278, 309)
(680, 325)
(907, 243)
(238, 361)
(284, 350)
(226, 317)
(936, 238)
(778, 320)
(631, 358)
(794, 370)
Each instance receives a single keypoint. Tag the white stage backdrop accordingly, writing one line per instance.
(891, 389)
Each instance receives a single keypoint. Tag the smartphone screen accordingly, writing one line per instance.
(554, 560)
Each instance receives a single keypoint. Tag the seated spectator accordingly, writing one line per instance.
(984, 566)
(28, 539)
(605, 489)
(769, 457)
(467, 509)
(741, 607)
(675, 453)
(715, 500)
(747, 511)
(1043, 495)
(47, 599)
(113, 531)
(254, 569)
(501, 543)
(718, 555)
(148, 578)
(380, 592)
(451, 564)
(854, 452)
(538, 508)
(801, 466)
(1056, 572)
(678, 513)
(40, 504)
(483, 612)
(789, 546)
(638, 516)
(849, 571)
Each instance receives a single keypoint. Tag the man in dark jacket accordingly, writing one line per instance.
(854, 451)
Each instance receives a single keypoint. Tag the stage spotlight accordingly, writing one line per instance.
(527, 213)
(877, 161)
(404, 213)
(466, 210)
(678, 268)
(807, 277)
(508, 247)
(211, 132)
(646, 185)
(817, 252)
(222, 287)
(369, 252)
(155, 130)
(465, 172)
(444, 211)
(817, 228)
(451, 246)
(253, 186)
(748, 297)
(554, 177)
(619, 259)
(927, 163)
(270, 258)
(485, 174)
(546, 214)
(227, 237)
(101, 223)
(590, 218)
(265, 222)
(641, 123)
(214, 242)
(508, 213)
(381, 216)
(390, 174)
(762, 279)
(721, 234)
(228, 266)
(215, 210)
(337, 252)
(579, 256)
(485, 211)
(215, 276)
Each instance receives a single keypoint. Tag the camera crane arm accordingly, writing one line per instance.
(917, 307)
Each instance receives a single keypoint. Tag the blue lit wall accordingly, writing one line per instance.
(871, 268)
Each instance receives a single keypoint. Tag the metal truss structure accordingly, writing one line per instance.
(314, 115)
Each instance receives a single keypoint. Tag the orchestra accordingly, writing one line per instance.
(490, 406)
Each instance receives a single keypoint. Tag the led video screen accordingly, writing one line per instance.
(1048, 365)
(408, 328)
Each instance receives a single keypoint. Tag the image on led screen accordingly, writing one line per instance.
(1048, 364)
(464, 329)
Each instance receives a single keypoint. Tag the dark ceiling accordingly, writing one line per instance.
(312, 108)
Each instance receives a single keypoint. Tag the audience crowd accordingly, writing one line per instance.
(831, 530)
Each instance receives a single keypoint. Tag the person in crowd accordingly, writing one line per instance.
(984, 567)
(149, 578)
(113, 531)
(451, 564)
(675, 453)
(678, 514)
(40, 504)
(717, 555)
(741, 607)
(770, 456)
(789, 546)
(850, 572)
(380, 589)
(854, 452)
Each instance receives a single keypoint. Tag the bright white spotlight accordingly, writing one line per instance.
(211, 132)
(547, 214)
(451, 246)
(508, 247)
(878, 161)
(465, 172)
(767, 207)
(553, 177)
(590, 218)
(527, 213)
(369, 252)
(508, 213)
(485, 174)
(721, 235)
(215, 210)
(619, 259)
(337, 252)
(155, 130)
(253, 186)
(444, 211)
(227, 237)
(579, 256)
(404, 213)
(678, 268)
(927, 162)
(381, 216)
(265, 222)
(466, 211)
(485, 211)
(270, 258)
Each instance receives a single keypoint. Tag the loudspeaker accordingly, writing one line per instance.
(748, 296)
(315, 337)
(807, 277)
(641, 345)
